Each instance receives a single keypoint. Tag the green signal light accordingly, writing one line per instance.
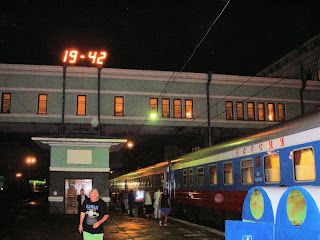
(153, 115)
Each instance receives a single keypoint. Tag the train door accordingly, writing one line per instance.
(72, 189)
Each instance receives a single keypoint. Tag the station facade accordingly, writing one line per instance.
(42, 101)
(32, 99)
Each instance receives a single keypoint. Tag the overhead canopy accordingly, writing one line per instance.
(114, 144)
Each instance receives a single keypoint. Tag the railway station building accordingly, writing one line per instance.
(61, 107)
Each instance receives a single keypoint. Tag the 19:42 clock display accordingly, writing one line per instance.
(95, 57)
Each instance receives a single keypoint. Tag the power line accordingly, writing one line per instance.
(221, 100)
(246, 99)
(171, 79)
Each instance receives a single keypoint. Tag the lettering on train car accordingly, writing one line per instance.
(272, 144)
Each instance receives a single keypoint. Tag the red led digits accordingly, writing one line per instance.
(72, 56)
(93, 56)
(103, 55)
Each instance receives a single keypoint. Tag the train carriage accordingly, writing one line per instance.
(214, 181)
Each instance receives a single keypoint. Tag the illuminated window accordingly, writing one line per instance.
(189, 109)
(247, 171)
(229, 110)
(213, 179)
(118, 106)
(228, 173)
(177, 108)
(200, 176)
(6, 102)
(191, 177)
(251, 112)
(270, 112)
(281, 112)
(154, 105)
(185, 177)
(272, 168)
(166, 107)
(261, 114)
(304, 165)
(240, 113)
(42, 103)
(81, 104)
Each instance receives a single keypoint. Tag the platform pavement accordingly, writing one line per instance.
(37, 225)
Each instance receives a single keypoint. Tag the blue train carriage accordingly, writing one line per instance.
(211, 184)
(149, 179)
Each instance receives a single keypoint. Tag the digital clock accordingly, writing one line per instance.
(95, 57)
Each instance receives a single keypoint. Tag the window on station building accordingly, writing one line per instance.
(229, 110)
(281, 112)
(81, 104)
(6, 102)
(261, 113)
(177, 108)
(166, 107)
(304, 165)
(213, 178)
(228, 173)
(251, 113)
(184, 177)
(200, 176)
(154, 105)
(272, 168)
(191, 177)
(271, 112)
(118, 106)
(189, 108)
(247, 171)
(42, 103)
(240, 112)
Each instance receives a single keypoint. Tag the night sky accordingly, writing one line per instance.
(153, 35)
(158, 35)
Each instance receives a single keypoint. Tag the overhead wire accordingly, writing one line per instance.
(171, 79)
(245, 99)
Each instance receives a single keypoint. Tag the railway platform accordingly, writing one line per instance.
(34, 223)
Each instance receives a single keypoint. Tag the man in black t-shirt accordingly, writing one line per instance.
(93, 213)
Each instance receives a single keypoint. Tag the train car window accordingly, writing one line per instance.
(213, 179)
(184, 177)
(228, 173)
(304, 165)
(191, 177)
(200, 176)
(272, 168)
(247, 171)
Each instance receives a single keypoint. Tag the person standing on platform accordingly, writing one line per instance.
(81, 199)
(165, 207)
(126, 200)
(130, 202)
(148, 204)
(156, 206)
(139, 200)
(94, 213)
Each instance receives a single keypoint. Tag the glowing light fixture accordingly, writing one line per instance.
(31, 160)
(18, 175)
(130, 144)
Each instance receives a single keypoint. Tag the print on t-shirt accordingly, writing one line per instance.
(92, 214)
